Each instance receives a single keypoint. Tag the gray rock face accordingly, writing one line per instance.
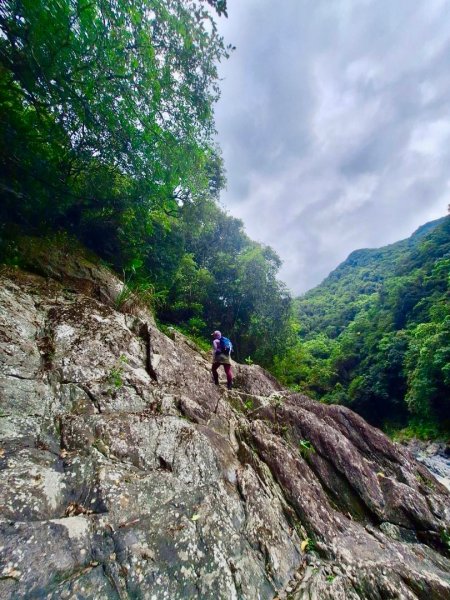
(127, 474)
(435, 456)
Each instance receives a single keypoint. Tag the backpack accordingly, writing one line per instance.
(226, 347)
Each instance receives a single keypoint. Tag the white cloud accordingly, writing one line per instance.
(431, 139)
(334, 125)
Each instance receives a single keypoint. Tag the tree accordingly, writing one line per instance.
(428, 362)
(106, 104)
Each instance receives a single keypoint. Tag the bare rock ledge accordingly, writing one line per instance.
(126, 474)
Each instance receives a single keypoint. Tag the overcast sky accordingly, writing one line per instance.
(334, 123)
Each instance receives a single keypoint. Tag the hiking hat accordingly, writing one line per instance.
(216, 334)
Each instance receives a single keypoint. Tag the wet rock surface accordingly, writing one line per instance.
(127, 474)
(435, 456)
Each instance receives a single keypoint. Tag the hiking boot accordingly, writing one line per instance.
(229, 385)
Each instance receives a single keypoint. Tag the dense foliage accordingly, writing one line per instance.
(106, 108)
(375, 335)
(107, 132)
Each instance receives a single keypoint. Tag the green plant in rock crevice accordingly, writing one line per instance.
(306, 448)
(276, 400)
(115, 375)
(308, 545)
(445, 538)
(248, 404)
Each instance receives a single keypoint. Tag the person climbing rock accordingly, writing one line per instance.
(222, 348)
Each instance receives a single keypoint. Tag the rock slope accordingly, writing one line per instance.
(127, 474)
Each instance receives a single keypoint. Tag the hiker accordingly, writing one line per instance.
(222, 348)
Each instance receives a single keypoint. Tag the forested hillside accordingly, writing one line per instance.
(107, 135)
(375, 335)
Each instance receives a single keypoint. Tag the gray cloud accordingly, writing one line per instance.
(334, 123)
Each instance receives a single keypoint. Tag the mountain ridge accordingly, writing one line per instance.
(377, 253)
(375, 263)
(375, 334)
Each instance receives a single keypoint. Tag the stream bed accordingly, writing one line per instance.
(435, 456)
